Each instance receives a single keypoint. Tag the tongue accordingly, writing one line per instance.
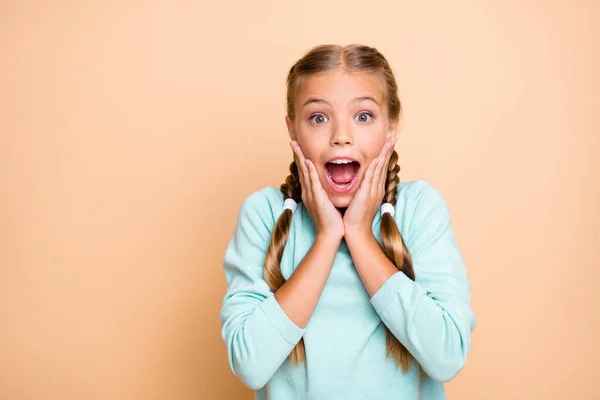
(341, 173)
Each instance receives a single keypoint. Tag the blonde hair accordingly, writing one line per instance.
(352, 58)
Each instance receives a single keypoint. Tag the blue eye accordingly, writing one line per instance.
(320, 119)
(364, 114)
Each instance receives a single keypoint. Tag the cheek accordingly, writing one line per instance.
(372, 146)
(312, 145)
(310, 151)
(372, 140)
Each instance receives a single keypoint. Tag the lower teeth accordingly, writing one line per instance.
(341, 185)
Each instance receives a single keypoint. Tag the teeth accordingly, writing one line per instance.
(341, 161)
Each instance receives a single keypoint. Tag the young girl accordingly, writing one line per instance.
(345, 283)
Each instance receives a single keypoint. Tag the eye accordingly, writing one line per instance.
(318, 119)
(364, 116)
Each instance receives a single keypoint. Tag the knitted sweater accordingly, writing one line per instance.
(345, 337)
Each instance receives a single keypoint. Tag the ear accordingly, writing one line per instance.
(392, 129)
(290, 128)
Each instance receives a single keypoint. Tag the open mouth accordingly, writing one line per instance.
(342, 174)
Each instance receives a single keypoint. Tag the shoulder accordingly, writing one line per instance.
(266, 197)
(418, 192)
(416, 201)
(263, 205)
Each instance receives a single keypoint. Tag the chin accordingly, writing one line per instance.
(341, 201)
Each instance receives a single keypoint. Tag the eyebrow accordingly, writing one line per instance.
(355, 100)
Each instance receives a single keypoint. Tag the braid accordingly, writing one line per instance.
(391, 182)
(395, 248)
(291, 189)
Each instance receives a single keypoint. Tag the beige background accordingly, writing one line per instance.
(132, 131)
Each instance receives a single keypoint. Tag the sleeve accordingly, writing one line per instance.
(432, 316)
(258, 333)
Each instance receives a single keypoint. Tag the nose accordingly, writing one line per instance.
(341, 135)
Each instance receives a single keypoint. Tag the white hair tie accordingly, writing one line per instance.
(387, 208)
(290, 204)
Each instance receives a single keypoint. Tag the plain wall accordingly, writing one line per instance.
(132, 131)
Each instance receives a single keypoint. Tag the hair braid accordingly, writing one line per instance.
(396, 250)
(291, 189)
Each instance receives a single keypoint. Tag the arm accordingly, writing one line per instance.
(432, 316)
(300, 294)
(259, 328)
(372, 265)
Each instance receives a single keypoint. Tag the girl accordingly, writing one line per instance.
(344, 283)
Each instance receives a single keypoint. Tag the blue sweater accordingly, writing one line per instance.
(345, 337)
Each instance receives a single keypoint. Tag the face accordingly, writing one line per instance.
(341, 124)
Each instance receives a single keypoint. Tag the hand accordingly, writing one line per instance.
(358, 218)
(326, 218)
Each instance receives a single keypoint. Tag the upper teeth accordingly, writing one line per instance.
(341, 161)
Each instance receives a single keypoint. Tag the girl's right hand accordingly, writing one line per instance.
(326, 218)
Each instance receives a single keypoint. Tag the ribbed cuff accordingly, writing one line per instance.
(288, 330)
(389, 291)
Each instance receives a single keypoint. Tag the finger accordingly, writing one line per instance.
(301, 173)
(386, 164)
(308, 177)
(314, 177)
(380, 166)
(367, 182)
(300, 163)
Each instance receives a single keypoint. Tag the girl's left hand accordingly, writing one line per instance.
(358, 218)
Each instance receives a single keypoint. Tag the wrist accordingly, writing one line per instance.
(357, 232)
(328, 239)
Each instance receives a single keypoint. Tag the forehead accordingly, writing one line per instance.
(340, 86)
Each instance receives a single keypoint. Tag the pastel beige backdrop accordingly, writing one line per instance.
(131, 132)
